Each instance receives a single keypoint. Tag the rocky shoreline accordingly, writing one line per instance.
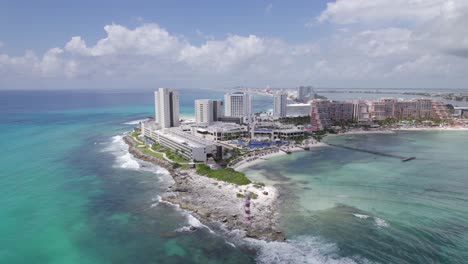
(217, 202)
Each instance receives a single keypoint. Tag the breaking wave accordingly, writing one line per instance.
(136, 122)
(303, 249)
(361, 216)
(379, 222)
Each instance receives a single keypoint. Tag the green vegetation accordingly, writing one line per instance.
(176, 165)
(175, 156)
(253, 195)
(226, 174)
(147, 151)
(136, 132)
(258, 185)
(415, 121)
(240, 195)
(299, 120)
(235, 153)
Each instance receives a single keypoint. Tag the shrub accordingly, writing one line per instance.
(226, 174)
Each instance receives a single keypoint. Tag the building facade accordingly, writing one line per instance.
(208, 111)
(279, 105)
(191, 147)
(304, 93)
(320, 115)
(237, 104)
(295, 110)
(166, 106)
(326, 112)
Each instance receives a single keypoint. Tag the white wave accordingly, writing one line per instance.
(304, 249)
(155, 201)
(362, 216)
(194, 221)
(379, 222)
(136, 122)
(184, 229)
(231, 244)
(125, 160)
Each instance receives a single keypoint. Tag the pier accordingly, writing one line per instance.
(403, 159)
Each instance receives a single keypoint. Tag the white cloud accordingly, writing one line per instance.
(382, 42)
(149, 39)
(448, 32)
(221, 55)
(355, 11)
(149, 55)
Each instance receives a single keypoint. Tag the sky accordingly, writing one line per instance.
(105, 45)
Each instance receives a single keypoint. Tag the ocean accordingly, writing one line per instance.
(71, 193)
(378, 209)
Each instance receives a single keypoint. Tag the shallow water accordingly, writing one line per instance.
(379, 208)
(71, 193)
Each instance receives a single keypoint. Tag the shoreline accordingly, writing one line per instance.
(246, 164)
(221, 203)
(394, 130)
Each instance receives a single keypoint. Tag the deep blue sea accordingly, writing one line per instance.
(71, 193)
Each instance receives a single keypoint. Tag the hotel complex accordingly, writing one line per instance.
(208, 111)
(238, 104)
(279, 105)
(217, 122)
(325, 113)
(166, 103)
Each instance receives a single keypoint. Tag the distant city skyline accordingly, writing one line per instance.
(209, 44)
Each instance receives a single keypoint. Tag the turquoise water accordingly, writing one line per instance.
(71, 193)
(374, 208)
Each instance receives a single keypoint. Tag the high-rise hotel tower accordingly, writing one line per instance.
(208, 110)
(166, 106)
(279, 105)
(237, 104)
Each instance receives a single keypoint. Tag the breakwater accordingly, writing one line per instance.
(402, 158)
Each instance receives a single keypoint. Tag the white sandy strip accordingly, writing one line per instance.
(359, 132)
(245, 164)
(432, 129)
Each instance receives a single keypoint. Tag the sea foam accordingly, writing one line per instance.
(303, 249)
(379, 222)
(362, 216)
(136, 122)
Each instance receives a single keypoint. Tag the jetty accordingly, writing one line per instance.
(287, 151)
(403, 159)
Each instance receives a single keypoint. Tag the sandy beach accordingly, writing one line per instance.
(431, 129)
(248, 162)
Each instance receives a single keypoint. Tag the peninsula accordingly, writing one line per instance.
(204, 155)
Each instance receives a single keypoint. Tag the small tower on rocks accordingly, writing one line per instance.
(248, 215)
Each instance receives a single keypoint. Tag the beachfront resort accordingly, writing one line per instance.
(226, 133)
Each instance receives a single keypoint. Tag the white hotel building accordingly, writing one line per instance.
(208, 111)
(166, 106)
(238, 104)
(165, 130)
(189, 146)
(279, 105)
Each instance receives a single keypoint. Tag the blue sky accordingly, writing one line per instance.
(39, 25)
(192, 44)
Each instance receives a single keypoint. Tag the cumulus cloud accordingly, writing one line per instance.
(355, 11)
(430, 52)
